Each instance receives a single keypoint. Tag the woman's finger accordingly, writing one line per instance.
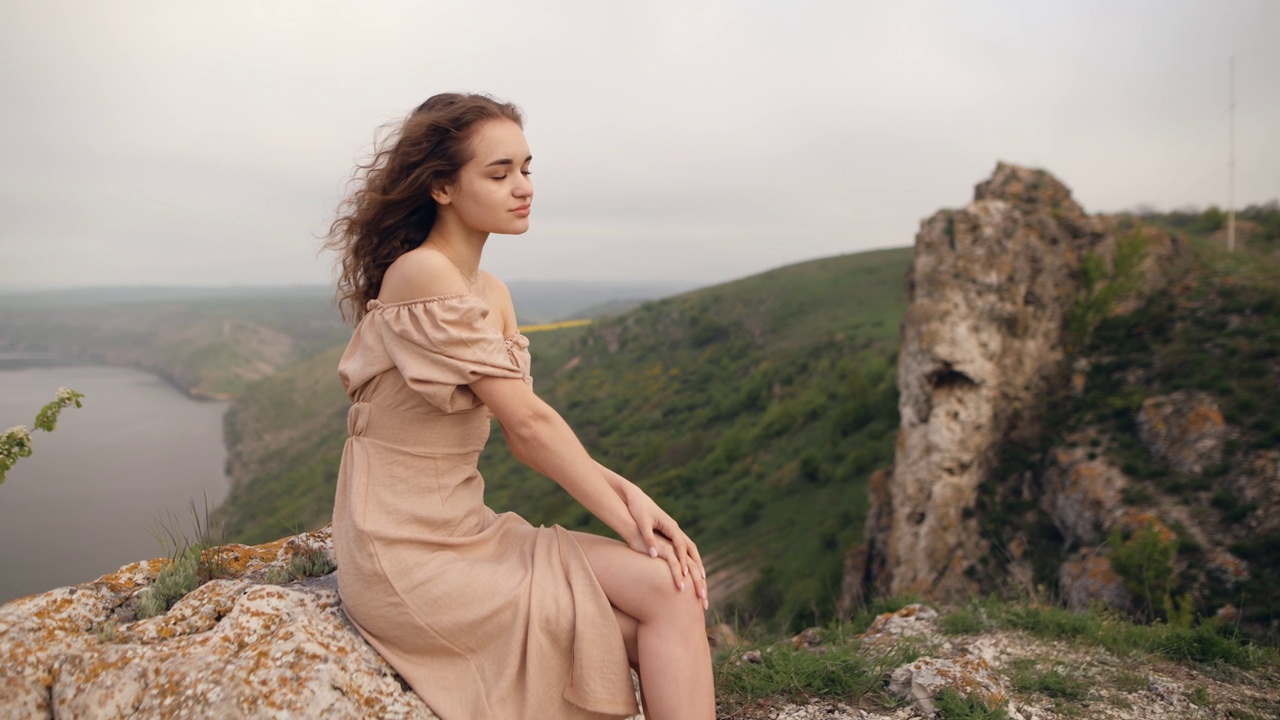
(697, 558)
(649, 540)
(668, 554)
(699, 574)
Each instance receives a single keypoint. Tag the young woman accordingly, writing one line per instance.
(484, 615)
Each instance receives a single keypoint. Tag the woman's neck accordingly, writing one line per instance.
(463, 246)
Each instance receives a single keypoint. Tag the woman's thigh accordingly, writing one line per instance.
(640, 586)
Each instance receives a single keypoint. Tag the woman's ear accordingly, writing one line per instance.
(440, 193)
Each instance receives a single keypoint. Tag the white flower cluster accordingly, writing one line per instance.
(14, 444)
(16, 441)
(17, 434)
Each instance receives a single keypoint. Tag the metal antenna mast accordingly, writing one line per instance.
(1231, 166)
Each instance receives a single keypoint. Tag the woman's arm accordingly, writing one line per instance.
(648, 514)
(541, 439)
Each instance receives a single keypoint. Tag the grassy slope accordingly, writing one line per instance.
(754, 410)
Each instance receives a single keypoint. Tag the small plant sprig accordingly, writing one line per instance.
(16, 441)
(194, 560)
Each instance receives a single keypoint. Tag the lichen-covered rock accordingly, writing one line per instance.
(1082, 494)
(1184, 429)
(1256, 485)
(921, 681)
(983, 339)
(1225, 570)
(1088, 577)
(914, 620)
(236, 647)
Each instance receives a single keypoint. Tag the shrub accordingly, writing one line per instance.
(1145, 562)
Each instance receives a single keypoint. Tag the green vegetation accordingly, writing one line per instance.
(1104, 286)
(1050, 678)
(309, 562)
(844, 671)
(193, 562)
(1214, 329)
(1210, 643)
(954, 706)
(179, 577)
(16, 442)
(1145, 561)
(285, 434)
(1257, 226)
(843, 668)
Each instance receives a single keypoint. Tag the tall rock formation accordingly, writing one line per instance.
(983, 342)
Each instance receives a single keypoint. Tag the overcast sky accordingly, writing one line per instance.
(175, 142)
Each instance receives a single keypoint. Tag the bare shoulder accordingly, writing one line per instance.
(420, 274)
(499, 298)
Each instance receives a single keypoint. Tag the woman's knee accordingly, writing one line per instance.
(638, 585)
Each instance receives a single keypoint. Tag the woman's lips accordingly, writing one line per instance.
(522, 211)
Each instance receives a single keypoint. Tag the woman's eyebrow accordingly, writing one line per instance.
(506, 161)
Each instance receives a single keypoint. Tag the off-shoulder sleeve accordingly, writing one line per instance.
(442, 345)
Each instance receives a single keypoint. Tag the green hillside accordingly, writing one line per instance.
(754, 411)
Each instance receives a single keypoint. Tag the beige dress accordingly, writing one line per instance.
(483, 614)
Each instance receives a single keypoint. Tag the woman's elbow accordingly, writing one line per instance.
(527, 427)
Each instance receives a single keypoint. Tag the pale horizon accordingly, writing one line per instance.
(174, 144)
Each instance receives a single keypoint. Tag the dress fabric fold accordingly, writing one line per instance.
(484, 615)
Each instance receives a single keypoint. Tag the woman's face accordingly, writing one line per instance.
(493, 192)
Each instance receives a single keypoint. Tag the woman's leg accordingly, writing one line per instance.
(670, 634)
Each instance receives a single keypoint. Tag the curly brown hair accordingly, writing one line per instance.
(391, 210)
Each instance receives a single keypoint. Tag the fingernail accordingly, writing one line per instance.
(704, 574)
(684, 571)
(682, 585)
(653, 552)
(705, 604)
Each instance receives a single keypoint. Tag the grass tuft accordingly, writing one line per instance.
(843, 668)
(1056, 681)
(954, 706)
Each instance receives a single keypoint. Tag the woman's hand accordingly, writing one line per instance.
(661, 537)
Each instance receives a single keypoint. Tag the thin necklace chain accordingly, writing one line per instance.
(471, 279)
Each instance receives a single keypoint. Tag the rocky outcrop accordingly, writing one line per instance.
(1082, 494)
(1185, 430)
(262, 640)
(1087, 577)
(983, 343)
(1256, 486)
(921, 655)
(236, 647)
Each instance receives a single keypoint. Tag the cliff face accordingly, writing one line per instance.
(984, 338)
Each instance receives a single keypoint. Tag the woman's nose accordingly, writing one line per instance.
(524, 188)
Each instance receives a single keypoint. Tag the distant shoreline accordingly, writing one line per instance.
(35, 360)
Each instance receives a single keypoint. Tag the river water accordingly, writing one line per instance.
(125, 466)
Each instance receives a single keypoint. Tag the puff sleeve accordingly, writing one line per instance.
(441, 345)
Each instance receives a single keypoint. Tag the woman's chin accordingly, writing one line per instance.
(517, 228)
